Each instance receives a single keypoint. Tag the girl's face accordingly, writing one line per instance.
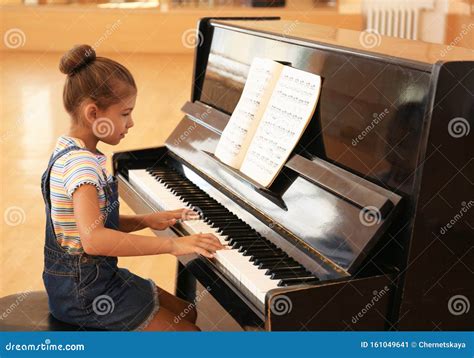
(112, 125)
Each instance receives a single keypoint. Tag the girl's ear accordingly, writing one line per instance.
(90, 113)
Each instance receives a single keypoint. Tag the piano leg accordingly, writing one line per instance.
(185, 284)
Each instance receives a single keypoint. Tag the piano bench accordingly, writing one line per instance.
(28, 311)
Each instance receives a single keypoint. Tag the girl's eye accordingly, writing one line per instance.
(125, 114)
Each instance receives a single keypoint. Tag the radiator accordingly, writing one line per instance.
(398, 18)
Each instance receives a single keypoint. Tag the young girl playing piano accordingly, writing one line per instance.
(84, 231)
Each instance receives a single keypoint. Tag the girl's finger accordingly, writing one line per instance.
(208, 236)
(204, 252)
(216, 244)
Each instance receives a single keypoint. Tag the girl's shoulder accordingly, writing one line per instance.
(78, 154)
(78, 159)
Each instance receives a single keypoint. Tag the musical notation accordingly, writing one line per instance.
(262, 76)
(288, 112)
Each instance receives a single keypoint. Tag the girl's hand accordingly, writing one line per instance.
(204, 244)
(163, 219)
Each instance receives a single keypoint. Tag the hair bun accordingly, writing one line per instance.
(76, 58)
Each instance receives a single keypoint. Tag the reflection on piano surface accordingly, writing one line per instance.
(347, 236)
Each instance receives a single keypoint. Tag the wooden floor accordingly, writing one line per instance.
(32, 117)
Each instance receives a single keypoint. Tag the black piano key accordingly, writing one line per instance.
(261, 251)
(237, 239)
(217, 218)
(237, 232)
(231, 227)
(302, 273)
(297, 281)
(241, 245)
(222, 220)
(234, 232)
(238, 224)
(264, 261)
(262, 244)
(202, 206)
(219, 210)
(277, 264)
(206, 204)
(200, 203)
(172, 182)
(164, 174)
(222, 224)
(245, 237)
(257, 244)
(193, 199)
(267, 254)
(277, 267)
(210, 214)
(192, 195)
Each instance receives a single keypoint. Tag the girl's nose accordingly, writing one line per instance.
(130, 123)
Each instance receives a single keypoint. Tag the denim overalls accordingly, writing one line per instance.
(91, 291)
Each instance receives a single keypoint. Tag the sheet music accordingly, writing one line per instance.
(237, 135)
(288, 112)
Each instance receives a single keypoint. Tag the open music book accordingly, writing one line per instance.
(275, 107)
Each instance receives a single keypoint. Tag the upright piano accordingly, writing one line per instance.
(369, 224)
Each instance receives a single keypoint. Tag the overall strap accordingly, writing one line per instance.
(45, 188)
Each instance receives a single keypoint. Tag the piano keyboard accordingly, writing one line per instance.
(249, 260)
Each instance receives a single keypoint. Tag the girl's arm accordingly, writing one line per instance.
(98, 240)
(129, 223)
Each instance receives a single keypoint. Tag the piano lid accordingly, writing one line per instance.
(353, 41)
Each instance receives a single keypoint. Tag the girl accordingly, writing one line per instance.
(84, 231)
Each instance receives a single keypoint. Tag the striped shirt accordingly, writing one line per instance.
(69, 172)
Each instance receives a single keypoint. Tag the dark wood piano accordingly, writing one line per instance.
(367, 227)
